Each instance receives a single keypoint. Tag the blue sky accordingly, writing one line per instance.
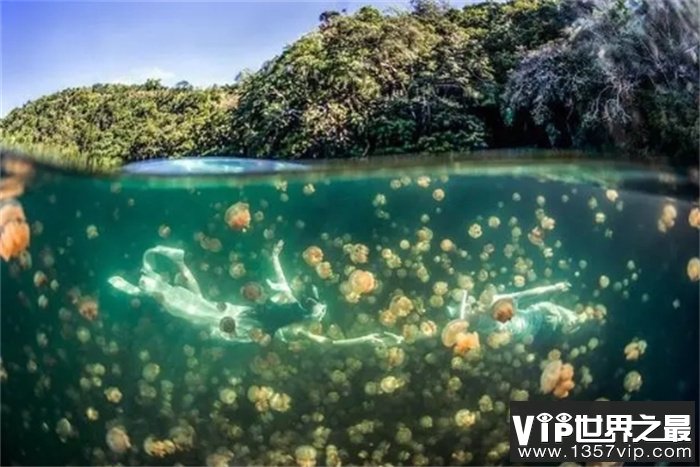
(47, 46)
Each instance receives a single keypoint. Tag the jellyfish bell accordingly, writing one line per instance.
(536, 236)
(503, 309)
(452, 330)
(693, 269)
(362, 281)
(253, 292)
(313, 256)
(694, 217)
(238, 216)
(88, 308)
(550, 376)
(118, 440)
(14, 230)
(466, 341)
(227, 325)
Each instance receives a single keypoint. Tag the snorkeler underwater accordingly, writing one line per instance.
(316, 317)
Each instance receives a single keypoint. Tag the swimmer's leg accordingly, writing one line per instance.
(123, 285)
(177, 256)
(281, 286)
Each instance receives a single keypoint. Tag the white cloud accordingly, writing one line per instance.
(140, 75)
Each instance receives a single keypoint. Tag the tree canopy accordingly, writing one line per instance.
(107, 124)
(561, 73)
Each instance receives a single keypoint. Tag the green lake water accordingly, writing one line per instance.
(596, 225)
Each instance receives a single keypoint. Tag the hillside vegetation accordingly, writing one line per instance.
(548, 73)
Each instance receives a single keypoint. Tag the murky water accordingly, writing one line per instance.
(391, 373)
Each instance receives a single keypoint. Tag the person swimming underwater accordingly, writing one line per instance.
(519, 312)
(281, 316)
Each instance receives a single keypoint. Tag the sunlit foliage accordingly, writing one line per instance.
(555, 73)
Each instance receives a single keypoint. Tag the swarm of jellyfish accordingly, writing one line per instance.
(437, 317)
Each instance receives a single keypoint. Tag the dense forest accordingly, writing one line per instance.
(588, 74)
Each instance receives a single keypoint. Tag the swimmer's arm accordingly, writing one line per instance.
(537, 291)
(377, 338)
(123, 285)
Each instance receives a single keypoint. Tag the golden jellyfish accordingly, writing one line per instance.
(519, 280)
(604, 282)
(92, 414)
(485, 403)
(113, 395)
(83, 334)
(390, 384)
(227, 396)
(465, 418)
(447, 245)
(635, 349)
(633, 381)
(238, 216)
(694, 217)
(88, 308)
(466, 341)
(503, 309)
(498, 339)
(439, 194)
(260, 396)
(280, 402)
(11, 187)
(440, 288)
(158, 448)
(612, 195)
(436, 301)
(309, 189)
(237, 270)
(428, 328)
(14, 230)
(313, 256)
(387, 318)
(183, 436)
(693, 269)
(557, 378)
(395, 357)
(64, 429)
(362, 282)
(547, 223)
(220, 458)
(253, 292)
(475, 231)
(324, 270)
(423, 181)
(40, 279)
(668, 218)
(550, 376)
(305, 456)
(150, 372)
(118, 440)
(566, 381)
(164, 231)
(452, 330)
(359, 253)
(536, 236)
(91, 232)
